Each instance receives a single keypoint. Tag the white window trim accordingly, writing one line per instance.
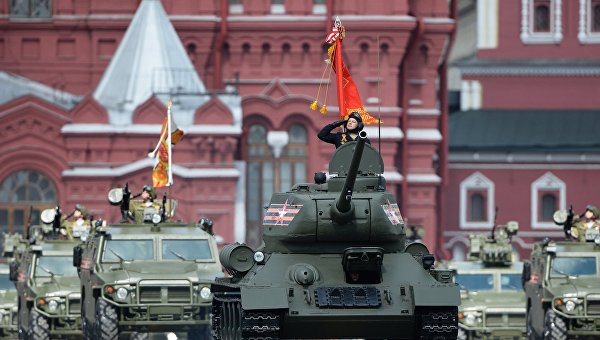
(236, 9)
(487, 24)
(277, 9)
(585, 35)
(319, 9)
(528, 36)
(470, 95)
(547, 182)
(476, 181)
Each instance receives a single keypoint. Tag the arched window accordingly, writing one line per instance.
(23, 195)
(270, 171)
(548, 194)
(549, 206)
(478, 205)
(596, 18)
(259, 181)
(542, 18)
(293, 160)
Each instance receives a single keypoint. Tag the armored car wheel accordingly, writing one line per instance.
(106, 324)
(38, 326)
(531, 334)
(555, 327)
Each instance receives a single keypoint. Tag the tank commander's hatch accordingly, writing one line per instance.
(371, 162)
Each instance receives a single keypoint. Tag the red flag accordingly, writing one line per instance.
(349, 99)
(162, 175)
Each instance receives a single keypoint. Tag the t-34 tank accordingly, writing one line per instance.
(335, 265)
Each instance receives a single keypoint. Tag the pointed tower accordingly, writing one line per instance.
(150, 60)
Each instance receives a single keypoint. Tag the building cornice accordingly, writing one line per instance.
(148, 129)
(527, 159)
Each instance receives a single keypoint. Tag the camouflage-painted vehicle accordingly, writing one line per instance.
(335, 265)
(492, 301)
(562, 287)
(14, 246)
(8, 305)
(48, 291)
(140, 278)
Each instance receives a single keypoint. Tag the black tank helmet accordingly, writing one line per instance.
(358, 118)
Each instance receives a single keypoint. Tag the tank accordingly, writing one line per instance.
(154, 276)
(562, 286)
(335, 264)
(492, 301)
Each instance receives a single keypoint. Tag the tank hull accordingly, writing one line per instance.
(269, 301)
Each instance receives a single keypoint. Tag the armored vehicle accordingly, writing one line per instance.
(562, 288)
(140, 278)
(492, 302)
(48, 291)
(8, 305)
(335, 265)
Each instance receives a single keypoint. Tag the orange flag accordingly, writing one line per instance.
(351, 98)
(162, 175)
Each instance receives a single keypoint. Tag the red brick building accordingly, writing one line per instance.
(522, 140)
(89, 80)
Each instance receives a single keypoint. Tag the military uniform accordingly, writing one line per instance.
(77, 228)
(582, 224)
(137, 209)
(341, 138)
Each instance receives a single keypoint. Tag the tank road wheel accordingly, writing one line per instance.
(555, 327)
(38, 326)
(106, 323)
(200, 333)
(139, 336)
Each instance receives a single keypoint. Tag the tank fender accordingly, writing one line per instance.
(436, 295)
(264, 298)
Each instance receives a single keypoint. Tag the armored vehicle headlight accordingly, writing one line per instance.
(52, 306)
(122, 293)
(470, 319)
(205, 293)
(570, 305)
(156, 218)
(259, 256)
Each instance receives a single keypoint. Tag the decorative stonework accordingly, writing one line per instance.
(548, 182)
(479, 182)
(585, 34)
(528, 36)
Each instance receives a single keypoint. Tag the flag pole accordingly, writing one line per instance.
(169, 105)
(339, 69)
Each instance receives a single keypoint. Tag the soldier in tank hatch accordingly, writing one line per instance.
(353, 126)
(586, 221)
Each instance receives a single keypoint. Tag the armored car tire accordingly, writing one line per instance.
(555, 327)
(38, 326)
(106, 323)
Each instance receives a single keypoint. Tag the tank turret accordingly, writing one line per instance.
(494, 249)
(351, 207)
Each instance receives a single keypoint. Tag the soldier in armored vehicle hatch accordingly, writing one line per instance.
(353, 125)
(586, 223)
(76, 224)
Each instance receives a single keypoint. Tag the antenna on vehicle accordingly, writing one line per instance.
(379, 94)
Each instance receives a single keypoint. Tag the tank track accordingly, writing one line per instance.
(231, 322)
(438, 323)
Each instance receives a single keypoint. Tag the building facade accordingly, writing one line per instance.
(520, 144)
(91, 79)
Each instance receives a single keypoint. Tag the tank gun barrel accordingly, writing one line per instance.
(343, 203)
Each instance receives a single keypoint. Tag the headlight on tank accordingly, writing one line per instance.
(156, 219)
(205, 293)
